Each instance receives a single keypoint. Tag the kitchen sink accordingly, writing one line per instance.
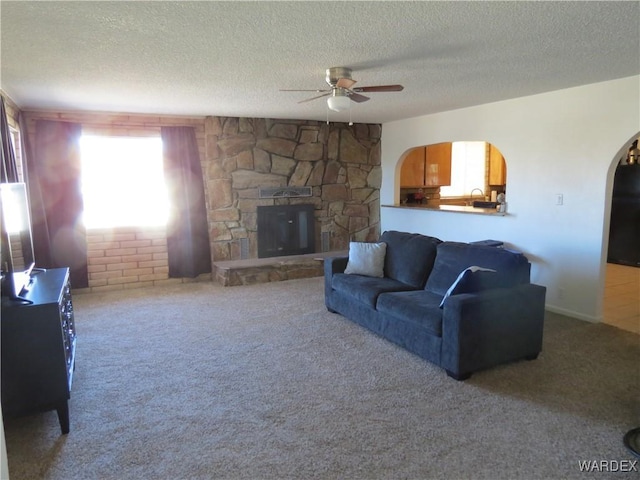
(483, 204)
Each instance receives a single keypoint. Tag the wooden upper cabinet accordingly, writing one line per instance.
(412, 172)
(427, 166)
(497, 167)
(438, 164)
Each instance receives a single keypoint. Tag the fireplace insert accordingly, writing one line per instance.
(285, 230)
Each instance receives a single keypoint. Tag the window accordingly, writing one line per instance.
(123, 182)
(468, 169)
(14, 136)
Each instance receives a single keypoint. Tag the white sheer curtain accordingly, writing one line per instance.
(468, 167)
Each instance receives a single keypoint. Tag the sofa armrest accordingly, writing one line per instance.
(484, 329)
(333, 265)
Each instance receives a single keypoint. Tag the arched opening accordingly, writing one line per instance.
(622, 267)
(452, 173)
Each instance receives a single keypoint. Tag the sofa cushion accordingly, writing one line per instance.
(452, 258)
(366, 259)
(366, 289)
(418, 307)
(471, 280)
(410, 256)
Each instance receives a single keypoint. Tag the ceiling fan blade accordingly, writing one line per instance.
(295, 90)
(345, 83)
(380, 88)
(313, 98)
(356, 97)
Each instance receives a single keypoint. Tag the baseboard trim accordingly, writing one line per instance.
(572, 314)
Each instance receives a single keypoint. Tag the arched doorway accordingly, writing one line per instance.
(621, 307)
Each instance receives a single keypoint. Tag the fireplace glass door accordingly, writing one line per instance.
(285, 230)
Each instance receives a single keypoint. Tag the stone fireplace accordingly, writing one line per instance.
(338, 166)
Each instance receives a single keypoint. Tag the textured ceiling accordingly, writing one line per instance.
(231, 58)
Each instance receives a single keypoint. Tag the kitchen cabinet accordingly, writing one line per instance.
(497, 167)
(438, 164)
(412, 172)
(428, 166)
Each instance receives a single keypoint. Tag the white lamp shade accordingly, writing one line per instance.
(338, 103)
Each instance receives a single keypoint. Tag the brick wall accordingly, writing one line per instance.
(12, 111)
(120, 257)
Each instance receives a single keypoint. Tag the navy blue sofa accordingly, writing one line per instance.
(492, 318)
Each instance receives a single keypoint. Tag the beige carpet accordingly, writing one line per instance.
(261, 382)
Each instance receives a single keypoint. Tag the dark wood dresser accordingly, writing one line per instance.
(38, 342)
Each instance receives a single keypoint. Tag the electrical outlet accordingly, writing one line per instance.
(559, 199)
(560, 293)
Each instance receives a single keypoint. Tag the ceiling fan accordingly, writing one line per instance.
(342, 89)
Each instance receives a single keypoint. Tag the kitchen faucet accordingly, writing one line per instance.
(479, 189)
(470, 202)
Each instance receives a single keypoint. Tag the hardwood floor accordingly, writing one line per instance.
(622, 297)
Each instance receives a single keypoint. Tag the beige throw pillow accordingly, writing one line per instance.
(366, 259)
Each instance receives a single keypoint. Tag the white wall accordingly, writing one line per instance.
(567, 141)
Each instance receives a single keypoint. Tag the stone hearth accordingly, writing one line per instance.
(262, 270)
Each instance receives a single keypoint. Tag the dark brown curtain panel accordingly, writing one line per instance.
(40, 229)
(188, 245)
(55, 166)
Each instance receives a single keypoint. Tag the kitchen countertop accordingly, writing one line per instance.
(451, 208)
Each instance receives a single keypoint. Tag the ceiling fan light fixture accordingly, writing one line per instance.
(338, 102)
